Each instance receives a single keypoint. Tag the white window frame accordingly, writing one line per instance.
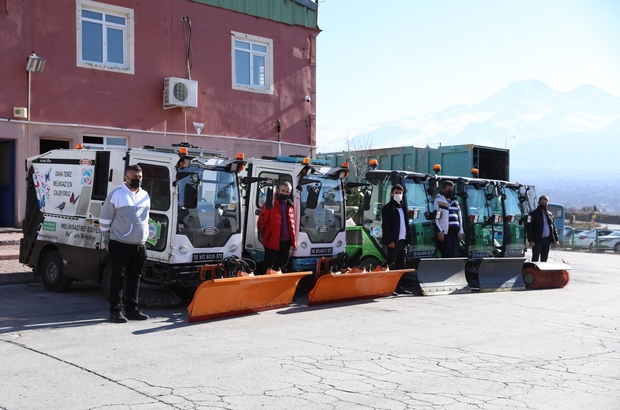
(105, 145)
(128, 37)
(262, 41)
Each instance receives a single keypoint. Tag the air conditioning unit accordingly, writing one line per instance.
(180, 92)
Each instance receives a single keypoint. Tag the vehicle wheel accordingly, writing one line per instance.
(52, 271)
(369, 263)
(617, 247)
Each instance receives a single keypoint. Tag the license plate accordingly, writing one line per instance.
(422, 254)
(205, 257)
(321, 251)
(479, 255)
(514, 252)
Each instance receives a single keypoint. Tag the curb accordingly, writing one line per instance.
(17, 278)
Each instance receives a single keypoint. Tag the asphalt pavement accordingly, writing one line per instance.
(534, 350)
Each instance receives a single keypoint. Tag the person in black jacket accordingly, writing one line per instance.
(541, 230)
(396, 232)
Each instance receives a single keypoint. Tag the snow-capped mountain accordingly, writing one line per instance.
(559, 136)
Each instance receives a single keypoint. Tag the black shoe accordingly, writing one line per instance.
(118, 317)
(401, 291)
(136, 315)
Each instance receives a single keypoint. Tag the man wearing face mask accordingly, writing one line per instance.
(396, 232)
(124, 223)
(541, 230)
(448, 222)
(278, 228)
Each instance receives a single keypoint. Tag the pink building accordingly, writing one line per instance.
(238, 76)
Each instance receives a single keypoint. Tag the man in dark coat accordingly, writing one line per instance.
(541, 232)
(396, 232)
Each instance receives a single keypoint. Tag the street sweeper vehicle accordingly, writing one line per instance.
(492, 252)
(320, 217)
(195, 219)
(432, 275)
(483, 225)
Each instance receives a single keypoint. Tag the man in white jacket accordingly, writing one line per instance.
(124, 222)
(449, 222)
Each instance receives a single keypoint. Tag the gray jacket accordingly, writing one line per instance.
(124, 216)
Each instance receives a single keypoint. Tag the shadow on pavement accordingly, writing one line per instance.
(31, 307)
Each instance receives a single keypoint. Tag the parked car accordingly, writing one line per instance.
(586, 238)
(569, 234)
(608, 242)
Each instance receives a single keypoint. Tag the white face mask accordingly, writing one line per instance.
(398, 197)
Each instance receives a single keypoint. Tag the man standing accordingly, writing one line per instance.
(396, 232)
(124, 222)
(541, 230)
(277, 225)
(448, 220)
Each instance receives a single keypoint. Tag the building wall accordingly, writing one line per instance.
(67, 102)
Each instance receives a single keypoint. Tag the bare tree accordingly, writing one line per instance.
(359, 152)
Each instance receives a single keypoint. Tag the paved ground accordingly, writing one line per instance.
(551, 349)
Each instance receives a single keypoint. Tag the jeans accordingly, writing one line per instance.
(447, 248)
(541, 248)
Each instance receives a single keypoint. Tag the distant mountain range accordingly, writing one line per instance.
(566, 143)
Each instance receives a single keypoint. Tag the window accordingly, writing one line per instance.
(156, 181)
(105, 39)
(252, 67)
(104, 142)
(277, 180)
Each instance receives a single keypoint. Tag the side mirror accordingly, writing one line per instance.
(367, 198)
(313, 196)
(190, 196)
(269, 198)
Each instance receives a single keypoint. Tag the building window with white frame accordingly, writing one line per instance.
(105, 37)
(252, 63)
(104, 143)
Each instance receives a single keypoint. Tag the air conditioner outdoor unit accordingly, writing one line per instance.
(180, 92)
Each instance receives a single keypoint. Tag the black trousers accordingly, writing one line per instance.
(127, 264)
(277, 259)
(447, 248)
(396, 255)
(541, 248)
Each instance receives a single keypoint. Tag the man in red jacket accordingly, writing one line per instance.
(278, 228)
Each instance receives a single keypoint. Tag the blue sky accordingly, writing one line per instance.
(384, 60)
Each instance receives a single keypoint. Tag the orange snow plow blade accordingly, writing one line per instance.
(240, 295)
(339, 287)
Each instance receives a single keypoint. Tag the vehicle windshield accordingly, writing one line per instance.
(514, 237)
(477, 215)
(323, 223)
(217, 216)
(422, 231)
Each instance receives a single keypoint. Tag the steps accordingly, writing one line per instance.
(9, 243)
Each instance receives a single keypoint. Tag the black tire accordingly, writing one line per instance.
(52, 272)
(617, 247)
(369, 263)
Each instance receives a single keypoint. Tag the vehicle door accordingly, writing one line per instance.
(156, 177)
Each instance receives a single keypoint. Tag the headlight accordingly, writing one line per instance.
(232, 248)
(183, 249)
(338, 244)
(303, 245)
